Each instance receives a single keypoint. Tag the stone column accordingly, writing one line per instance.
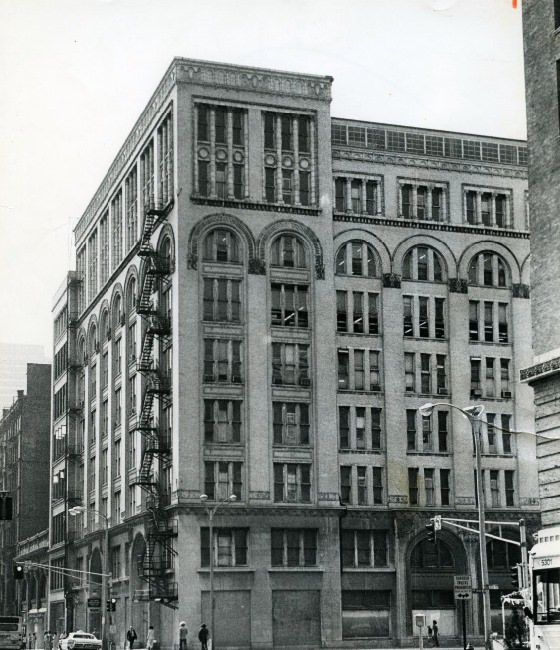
(212, 153)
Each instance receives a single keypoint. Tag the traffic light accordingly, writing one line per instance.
(6, 507)
(431, 530)
(18, 571)
(111, 604)
(515, 581)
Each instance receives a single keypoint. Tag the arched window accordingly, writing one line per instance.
(166, 251)
(488, 270)
(423, 263)
(131, 295)
(117, 311)
(356, 258)
(288, 251)
(93, 344)
(81, 351)
(502, 555)
(221, 245)
(104, 325)
(432, 556)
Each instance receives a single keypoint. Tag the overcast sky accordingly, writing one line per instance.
(76, 74)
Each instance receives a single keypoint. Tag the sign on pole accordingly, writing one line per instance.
(94, 602)
(463, 588)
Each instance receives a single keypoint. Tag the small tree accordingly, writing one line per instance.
(515, 629)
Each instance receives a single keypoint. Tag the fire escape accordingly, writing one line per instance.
(155, 563)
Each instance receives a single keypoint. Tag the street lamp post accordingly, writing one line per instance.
(473, 413)
(211, 512)
(105, 585)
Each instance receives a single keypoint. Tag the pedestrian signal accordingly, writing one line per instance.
(431, 530)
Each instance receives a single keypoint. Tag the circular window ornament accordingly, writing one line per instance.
(287, 161)
(203, 153)
(238, 157)
(304, 163)
(221, 154)
(269, 159)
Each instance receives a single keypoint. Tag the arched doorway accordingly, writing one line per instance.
(95, 590)
(431, 570)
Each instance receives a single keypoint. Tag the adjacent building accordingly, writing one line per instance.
(13, 368)
(541, 21)
(24, 475)
(263, 297)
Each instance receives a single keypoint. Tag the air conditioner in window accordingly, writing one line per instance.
(277, 380)
(506, 394)
(375, 387)
(236, 379)
(476, 392)
(209, 379)
(442, 391)
(305, 381)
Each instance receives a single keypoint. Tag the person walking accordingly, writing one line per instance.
(48, 638)
(203, 635)
(150, 638)
(435, 634)
(183, 635)
(131, 637)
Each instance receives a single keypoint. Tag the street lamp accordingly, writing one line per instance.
(211, 512)
(473, 414)
(105, 586)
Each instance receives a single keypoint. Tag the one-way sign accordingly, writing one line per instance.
(463, 588)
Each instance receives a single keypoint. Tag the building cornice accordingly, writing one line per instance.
(540, 371)
(411, 160)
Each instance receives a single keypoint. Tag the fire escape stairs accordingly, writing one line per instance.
(156, 562)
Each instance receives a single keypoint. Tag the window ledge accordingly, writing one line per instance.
(227, 569)
(364, 569)
(296, 569)
(443, 454)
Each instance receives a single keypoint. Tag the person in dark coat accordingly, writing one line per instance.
(435, 634)
(131, 637)
(203, 635)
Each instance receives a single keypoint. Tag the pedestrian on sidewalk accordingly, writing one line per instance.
(150, 638)
(435, 634)
(131, 637)
(183, 635)
(203, 635)
(48, 638)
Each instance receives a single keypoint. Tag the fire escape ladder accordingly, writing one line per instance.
(155, 564)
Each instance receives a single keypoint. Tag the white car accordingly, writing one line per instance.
(79, 641)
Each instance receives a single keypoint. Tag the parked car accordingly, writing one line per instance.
(79, 641)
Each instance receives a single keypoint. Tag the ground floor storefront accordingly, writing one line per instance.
(292, 578)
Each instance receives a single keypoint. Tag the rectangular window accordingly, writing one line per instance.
(377, 485)
(344, 427)
(229, 547)
(441, 374)
(425, 374)
(104, 249)
(444, 484)
(375, 414)
(495, 488)
(204, 178)
(473, 320)
(92, 266)
(413, 486)
(510, 489)
(471, 207)
(346, 484)
(424, 317)
(290, 423)
(287, 133)
(203, 131)
(443, 431)
(292, 547)
(491, 433)
(407, 316)
(238, 182)
(489, 382)
(221, 300)
(289, 306)
(341, 312)
(303, 134)
(304, 188)
(371, 197)
(131, 198)
(502, 323)
(343, 369)
(488, 321)
(506, 435)
(476, 387)
(340, 195)
(222, 479)
(292, 483)
(287, 186)
(439, 304)
(269, 131)
(427, 437)
(410, 372)
(362, 486)
(505, 379)
(407, 204)
(411, 433)
(222, 361)
(364, 548)
(220, 124)
(221, 180)
(429, 486)
(165, 159)
(222, 421)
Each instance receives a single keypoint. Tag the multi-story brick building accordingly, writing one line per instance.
(264, 296)
(24, 476)
(541, 21)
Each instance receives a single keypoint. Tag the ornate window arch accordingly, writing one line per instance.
(117, 310)
(426, 555)
(93, 343)
(423, 263)
(489, 269)
(104, 327)
(357, 258)
(289, 251)
(221, 245)
(131, 294)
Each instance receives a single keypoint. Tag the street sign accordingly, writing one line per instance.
(94, 602)
(463, 588)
